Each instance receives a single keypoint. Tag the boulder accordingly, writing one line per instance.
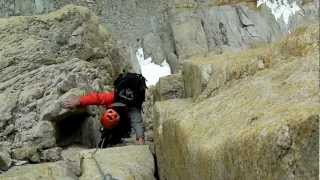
(263, 125)
(169, 87)
(128, 162)
(56, 170)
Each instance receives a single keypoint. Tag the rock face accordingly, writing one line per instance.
(56, 170)
(169, 87)
(43, 60)
(5, 159)
(177, 29)
(125, 163)
(257, 118)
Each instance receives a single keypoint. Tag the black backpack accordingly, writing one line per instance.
(130, 89)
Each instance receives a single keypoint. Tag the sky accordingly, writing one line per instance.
(151, 71)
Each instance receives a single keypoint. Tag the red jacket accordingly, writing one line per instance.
(94, 98)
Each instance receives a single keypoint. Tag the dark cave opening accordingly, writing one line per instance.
(70, 131)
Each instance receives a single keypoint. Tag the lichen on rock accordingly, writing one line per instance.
(259, 125)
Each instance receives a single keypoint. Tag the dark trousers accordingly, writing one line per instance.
(113, 136)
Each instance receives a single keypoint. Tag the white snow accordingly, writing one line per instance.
(281, 9)
(151, 71)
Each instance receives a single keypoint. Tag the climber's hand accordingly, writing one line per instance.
(71, 102)
(140, 141)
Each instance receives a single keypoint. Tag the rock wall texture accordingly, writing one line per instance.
(177, 29)
(169, 87)
(257, 118)
(57, 170)
(44, 59)
(125, 163)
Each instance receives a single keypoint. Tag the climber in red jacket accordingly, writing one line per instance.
(110, 118)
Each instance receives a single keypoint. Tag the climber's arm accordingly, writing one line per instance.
(95, 98)
(92, 98)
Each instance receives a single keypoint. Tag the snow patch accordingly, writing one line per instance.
(281, 9)
(151, 71)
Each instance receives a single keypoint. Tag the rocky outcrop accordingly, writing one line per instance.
(169, 87)
(198, 31)
(57, 170)
(132, 23)
(257, 117)
(177, 29)
(125, 163)
(43, 60)
(130, 162)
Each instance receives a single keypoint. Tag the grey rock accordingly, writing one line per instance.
(5, 158)
(43, 135)
(174, 63)
(25, 153)
(152, 47)
(56, 170)
(6, 110)
(27, 121)
(35, 158)
(128, 162)
(236, 27)
(71, 156)
(169, 87)
(52, 154)
(189, 35)
(9, 129)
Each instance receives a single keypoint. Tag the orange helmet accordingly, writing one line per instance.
(110, 119)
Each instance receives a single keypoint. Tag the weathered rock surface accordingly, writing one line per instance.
(43, 60)
(5, 159)
(169, 87)
(198, 31)
(254, 122)
(125, 163)
(176, 29)
(57, 170)
(129, 21)
(71, 157)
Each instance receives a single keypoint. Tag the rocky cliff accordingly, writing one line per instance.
(250, 111)
(43, 60)
(177, 29)
(250, 115)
